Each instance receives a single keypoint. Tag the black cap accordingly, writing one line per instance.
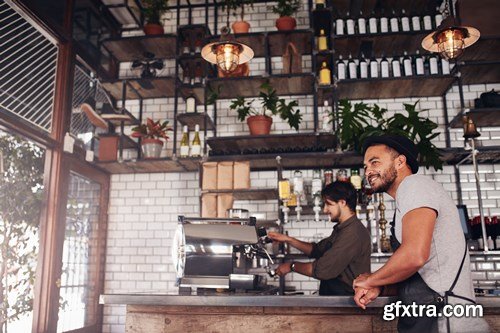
(401, 144)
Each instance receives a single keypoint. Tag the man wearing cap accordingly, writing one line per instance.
(430, 264)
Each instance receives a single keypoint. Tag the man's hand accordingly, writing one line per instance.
(362, 281)
(283, 269)
(275, 236)
(363, 297)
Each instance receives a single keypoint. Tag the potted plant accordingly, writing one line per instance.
(153, 10)
(285, 9)
(241, 26)
(151, 134)
(359, 121)
(260, 123)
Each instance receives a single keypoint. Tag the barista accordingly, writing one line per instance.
(342, 256)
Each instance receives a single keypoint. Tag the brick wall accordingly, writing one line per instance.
(144, 207)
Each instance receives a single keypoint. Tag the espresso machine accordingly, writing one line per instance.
(215, 253)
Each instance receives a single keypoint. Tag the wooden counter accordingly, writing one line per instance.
(270, 313)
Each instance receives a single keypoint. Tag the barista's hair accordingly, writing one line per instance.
(337, 191)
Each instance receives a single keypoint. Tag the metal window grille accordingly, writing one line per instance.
(28, 63)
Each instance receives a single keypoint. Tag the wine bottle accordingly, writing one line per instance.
(326, 124)
(394, 22)
(184, 142)
(350, 25)
(372, 24)
(341, 69)
(353, 69)
(361, 24)
(445, 67)
(322, 41)
(405, 21)
(433, 65)
(415, 20)
(419, 64)
(438, 18)
(384, 67)
(190, 104)
(373, 68)
(396, 67)
(339, 27)
(427, 22)
(384, 23)
(196, 143)
(325, 74)
(320, 4)
(356, 181)
(407, 65)
(363, 67)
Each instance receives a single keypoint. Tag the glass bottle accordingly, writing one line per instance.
(353, 69)
(396, 67)
(341, 69)
(427, 22)
(373, 67)
(384, 67)
(419, 64)
(325, 75)
(190, 104)
(342, 175)
(433, 65)
(361, 24)
(363, 67)
(198, 73)
(339, 27)
(405, 21)
(394, 22)
(320, 4)
(445, 67)
(184, 150)
(328, 174)
(407, 65)
(384, 23)
(298, 182)
(356, 179)
(326, 124)
(438, 18)
(186, 79)
(372, 24)
(322, 41)
(350, 25)
(196, 143)
(415, 22)
(317, 184)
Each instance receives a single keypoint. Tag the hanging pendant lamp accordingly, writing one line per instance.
(450, 39)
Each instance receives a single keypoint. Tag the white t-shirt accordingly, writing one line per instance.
(447, 246)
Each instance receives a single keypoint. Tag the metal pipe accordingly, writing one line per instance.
(479, 198)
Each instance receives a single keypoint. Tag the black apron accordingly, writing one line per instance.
(415, 290)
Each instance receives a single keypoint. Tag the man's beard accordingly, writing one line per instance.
(387, 178)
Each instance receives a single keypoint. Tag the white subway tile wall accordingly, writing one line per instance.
(143, 208)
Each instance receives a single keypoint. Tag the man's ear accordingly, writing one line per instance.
(400, 161)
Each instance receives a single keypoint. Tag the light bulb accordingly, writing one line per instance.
(451, 43)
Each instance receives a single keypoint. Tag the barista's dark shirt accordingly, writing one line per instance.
(341, 257)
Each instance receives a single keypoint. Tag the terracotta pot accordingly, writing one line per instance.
(240, 27)
(153, 29)
(259, 125)
(151, 148)
(108, 147)
(286, 23)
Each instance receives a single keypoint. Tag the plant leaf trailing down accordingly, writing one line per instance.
(359, 121)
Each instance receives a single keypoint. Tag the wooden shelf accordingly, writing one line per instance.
(278, 40)
(249, 194)
(263, 144)
(194, 34)
(192, 119)
(482, 117)
(159, 87)
(388, 44)
(293, 161)
(135, 48)
(489, 155)
(151, 165)
(249, 86)
(123, 116)
(419, 7)
(485, 49)
(414, 86)
(195, 90)
(475, 73)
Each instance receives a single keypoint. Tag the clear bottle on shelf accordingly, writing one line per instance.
(372, 24)
(427, 22)
(341, 69)
(325, 75)
(184, 148)
(433, 65)
(415, 22)
(405, 21)
(317, 183)
(339, 27)
(396, 67)
(374, 70)
(328, 174)
(190, 104)
(326, 120)
(322, 41)
(353, 68)
(196, 143)
(384, 23)
(349, 23)
(438, 18)
(445, 67)
(419, 64)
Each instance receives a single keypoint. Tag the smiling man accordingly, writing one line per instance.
(340, 257)
(430, 264)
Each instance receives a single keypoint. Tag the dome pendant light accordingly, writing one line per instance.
(450, 39)
(227, 53)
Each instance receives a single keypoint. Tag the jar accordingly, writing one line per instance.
(342, 175)
(328, 176)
